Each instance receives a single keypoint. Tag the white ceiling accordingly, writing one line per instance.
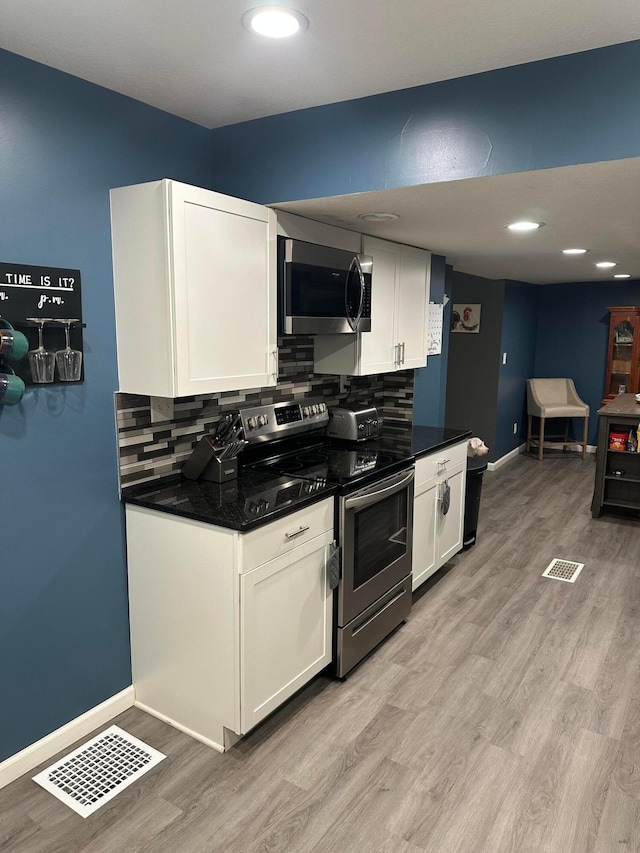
(594, 206)
(194, 59)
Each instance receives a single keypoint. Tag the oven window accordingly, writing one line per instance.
(380, 536)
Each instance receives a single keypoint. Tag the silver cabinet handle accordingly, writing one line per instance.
(274, 353)
(296, 532)
(397, 356)
(402, 362)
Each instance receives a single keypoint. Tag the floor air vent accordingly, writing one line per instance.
(563, 570)
(94, 773)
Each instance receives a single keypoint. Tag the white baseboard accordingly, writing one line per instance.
(492, 466)
(205, 740)
(45, 748)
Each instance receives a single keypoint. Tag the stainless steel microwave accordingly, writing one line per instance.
(323, 291)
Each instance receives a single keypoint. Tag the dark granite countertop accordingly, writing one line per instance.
(258, 497)
(253, 499)
(417, 441)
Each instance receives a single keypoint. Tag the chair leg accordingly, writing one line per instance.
(529, 419)
(540, 446)
(584, 438)
(566, 435)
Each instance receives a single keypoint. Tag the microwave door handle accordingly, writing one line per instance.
(362, 292)
(354, 322)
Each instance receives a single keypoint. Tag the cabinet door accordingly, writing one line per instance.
(412, 298)
(378, 352)
(223, 291)
(424, 535)
(449, 527)
(285, 628)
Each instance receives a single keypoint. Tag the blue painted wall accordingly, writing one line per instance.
(63, 144)
(573, 331)
(64, 641)
(519, 336)
(430, 381)
(573, 109)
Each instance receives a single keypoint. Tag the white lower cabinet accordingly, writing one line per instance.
(424, 535)
(218, 642)
(438, 536)
(285, 628)
(449, 527)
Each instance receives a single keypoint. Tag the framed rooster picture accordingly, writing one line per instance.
(465, 317)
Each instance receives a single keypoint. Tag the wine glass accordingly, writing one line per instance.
(69, 360)
(42, 362)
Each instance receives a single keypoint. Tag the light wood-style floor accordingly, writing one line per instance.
(504, 716)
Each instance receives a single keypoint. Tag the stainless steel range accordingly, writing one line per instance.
(373, 521)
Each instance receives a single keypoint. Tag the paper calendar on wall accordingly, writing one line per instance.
(434, 328)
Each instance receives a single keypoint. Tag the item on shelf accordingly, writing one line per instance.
(619, 472)
(632, 442)
(638, 439)
(617, 440)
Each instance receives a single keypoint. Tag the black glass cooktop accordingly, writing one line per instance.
(343, 465)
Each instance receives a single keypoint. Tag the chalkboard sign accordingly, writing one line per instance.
(45, 292)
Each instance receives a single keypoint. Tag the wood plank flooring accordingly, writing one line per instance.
(504, 717)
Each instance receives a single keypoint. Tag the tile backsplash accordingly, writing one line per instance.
(149, 451)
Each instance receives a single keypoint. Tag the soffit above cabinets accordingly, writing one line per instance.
(594, 205)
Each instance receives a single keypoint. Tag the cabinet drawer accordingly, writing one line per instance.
(268, 542)
(442, 463)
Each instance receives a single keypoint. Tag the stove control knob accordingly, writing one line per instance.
(323, 407)
(361, 427)
(251, 423)
(305, 411)
(375, 423)
(262, 420)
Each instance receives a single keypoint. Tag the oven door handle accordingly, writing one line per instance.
(398, 484)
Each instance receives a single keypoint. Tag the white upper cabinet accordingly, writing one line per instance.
(195, 290)
(399, 301)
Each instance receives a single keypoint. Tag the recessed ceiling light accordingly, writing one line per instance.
(274, 21)
(524, 226)
(378, 217)
(605, 265)
(622, 275)
(574, 251)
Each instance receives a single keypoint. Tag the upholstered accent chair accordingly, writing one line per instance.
(554, 398)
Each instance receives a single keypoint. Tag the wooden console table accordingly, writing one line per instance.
(621, 490)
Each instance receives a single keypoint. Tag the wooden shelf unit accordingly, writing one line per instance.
(621, 490)
(623, 352)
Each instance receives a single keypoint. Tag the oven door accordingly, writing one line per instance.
(376, 530)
